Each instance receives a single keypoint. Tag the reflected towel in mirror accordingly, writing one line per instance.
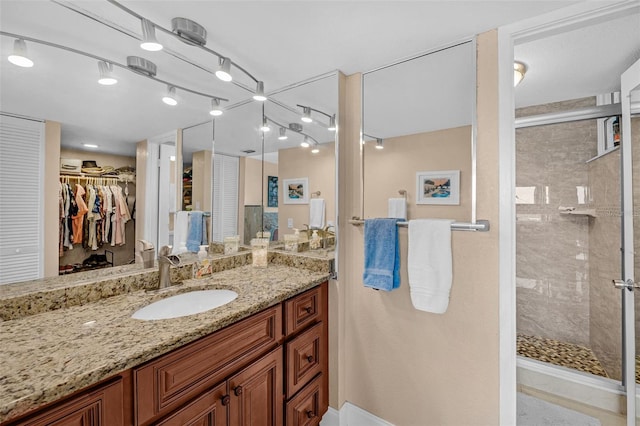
(316, 213)
(180, 232)
(398, 208)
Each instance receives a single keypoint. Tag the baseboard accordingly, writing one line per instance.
(351, 415)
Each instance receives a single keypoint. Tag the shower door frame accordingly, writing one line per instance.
(555, 22)
(630, 80)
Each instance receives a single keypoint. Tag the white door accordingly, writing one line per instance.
(630, 142)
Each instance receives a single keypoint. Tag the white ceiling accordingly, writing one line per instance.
(279, 42)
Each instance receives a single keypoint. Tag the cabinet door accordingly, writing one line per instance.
(256, 393)
(210, 409)
(103, 406)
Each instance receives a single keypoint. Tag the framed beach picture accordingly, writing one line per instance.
(272, 191)
(438, 187)
(295, 191)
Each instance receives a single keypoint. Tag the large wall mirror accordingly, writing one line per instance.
(418, 117)
(225, 167)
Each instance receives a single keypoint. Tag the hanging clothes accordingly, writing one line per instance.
(78, 218)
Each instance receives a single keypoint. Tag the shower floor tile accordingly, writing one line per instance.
(560, 353)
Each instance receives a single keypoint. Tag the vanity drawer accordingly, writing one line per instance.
(305, 358)
(167, 382)
(304, 309)
(306, 409)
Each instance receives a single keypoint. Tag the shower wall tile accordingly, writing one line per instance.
(552, 260)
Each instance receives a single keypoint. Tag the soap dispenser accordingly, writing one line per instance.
(315, 240)
(202, 254)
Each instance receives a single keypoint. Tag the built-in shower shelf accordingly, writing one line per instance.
(584, 212)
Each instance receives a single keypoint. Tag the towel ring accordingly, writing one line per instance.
(403, 192)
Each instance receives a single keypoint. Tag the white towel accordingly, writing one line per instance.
(398, 208)
(429, 264)
(316, 213)
(180, 229)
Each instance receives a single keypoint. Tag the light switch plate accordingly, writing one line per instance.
(290, 223)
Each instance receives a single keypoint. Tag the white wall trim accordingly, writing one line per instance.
(351, 415)
(560, 20)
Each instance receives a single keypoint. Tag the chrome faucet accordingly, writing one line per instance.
(165, 261)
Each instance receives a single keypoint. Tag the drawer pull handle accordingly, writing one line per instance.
(308, 309)
(238, 390)
(225, 400)
(310, 358)
(311, 414)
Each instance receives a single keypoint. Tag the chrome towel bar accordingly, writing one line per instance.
(480, 225)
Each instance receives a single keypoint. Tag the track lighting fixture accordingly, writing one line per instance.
(305, 142)
(306, 115)
(224, 69)
(170, 97)
(216, 109)
(19, 56)
(283, 134)
(149, 41)
(106, 74)
(315, 150)
(259, 95)
(332, 123)
(265, 125)
(379, 143)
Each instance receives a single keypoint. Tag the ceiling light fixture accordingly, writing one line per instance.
(106, 74)
(306, 115)
(283, 134)
(305, 142)
(89, 145)
(332, 123)
(170, 97)
(224, 70)
(19, 56)
(149, 41)
(216, 109)
(259, 95)
(265, 126)
(519, 70)
(379, 143)
(315, 150)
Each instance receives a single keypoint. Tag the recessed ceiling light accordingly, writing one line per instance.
(519, 70)
(89, 145)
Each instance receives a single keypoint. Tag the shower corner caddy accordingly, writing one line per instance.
(582, 212)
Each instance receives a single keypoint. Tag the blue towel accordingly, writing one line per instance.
(194, 236)
(381, 254)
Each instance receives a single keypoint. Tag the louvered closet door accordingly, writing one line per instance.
(225, 196)
(21, 199)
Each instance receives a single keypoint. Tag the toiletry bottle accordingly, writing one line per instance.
(315, 240)
(202, 254)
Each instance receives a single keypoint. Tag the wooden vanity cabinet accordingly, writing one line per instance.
(100, 406)
(269, 369)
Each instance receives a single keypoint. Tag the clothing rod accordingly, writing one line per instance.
(205, 214)
(480, 225)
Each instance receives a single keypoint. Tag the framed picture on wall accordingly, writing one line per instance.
(295, 191)
(438, 187)
(272, 191)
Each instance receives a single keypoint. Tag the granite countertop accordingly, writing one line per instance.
(46, 356)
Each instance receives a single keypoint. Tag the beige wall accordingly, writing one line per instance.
(320, 169)
(52, 132)
(253, 193)
(142, 155)
(406, 366)
(201, 184)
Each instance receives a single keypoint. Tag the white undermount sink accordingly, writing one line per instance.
(185, 304)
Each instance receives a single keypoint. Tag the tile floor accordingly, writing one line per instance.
(564, 354)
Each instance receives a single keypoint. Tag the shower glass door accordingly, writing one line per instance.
(628, 285)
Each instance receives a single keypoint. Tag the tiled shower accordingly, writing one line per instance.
(568, 244)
